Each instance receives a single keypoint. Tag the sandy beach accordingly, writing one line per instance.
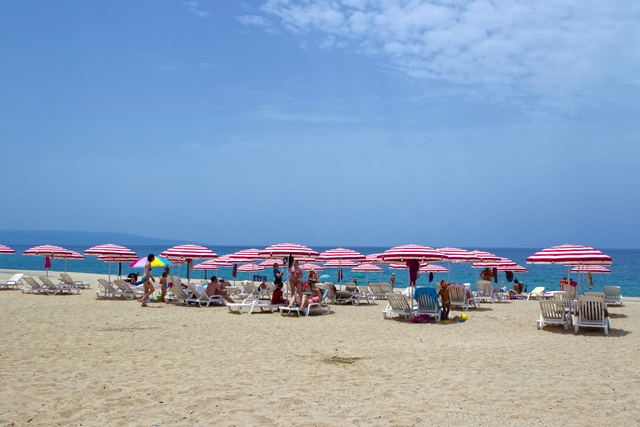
(78, 360)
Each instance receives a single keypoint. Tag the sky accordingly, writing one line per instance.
(324, 122)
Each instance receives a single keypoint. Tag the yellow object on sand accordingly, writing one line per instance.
(463, 316)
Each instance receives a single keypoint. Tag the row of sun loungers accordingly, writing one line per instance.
(589, 311)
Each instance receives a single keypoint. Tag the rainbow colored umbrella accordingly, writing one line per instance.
(157, 262)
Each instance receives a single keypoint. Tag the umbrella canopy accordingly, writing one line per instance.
(269, 262)
(484, 256)
(189, 252)
(430, 268)
(48, 250)
(249, 268)
(501, 262)
(458, 255)
(591, 269)
(206, 265)
(110, 249)
(6, 250)
(569, 255)
(309, 266)
(245, 255)
(412, 252)
(513, 268)
(286, 249)
(340, 263)
(341, 254)
(157, 262)
(367, 268)
(372, 259)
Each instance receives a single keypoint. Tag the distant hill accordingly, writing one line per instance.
(41, 237)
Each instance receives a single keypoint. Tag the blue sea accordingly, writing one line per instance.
(625, 270)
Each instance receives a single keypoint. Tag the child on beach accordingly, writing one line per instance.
(277, 297)
(446, 302)
(163, 284)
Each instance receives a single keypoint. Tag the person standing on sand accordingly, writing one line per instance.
(392, 280)
(163, 284)
(148, 286)
(295, 281)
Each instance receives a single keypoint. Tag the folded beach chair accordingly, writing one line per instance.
(592, 313)
(77, 283)
(320, 307)
(536, 293)
(552, 312)
(428, 303)
(13, 282)
(461, 297)
(32, 286)
(485, 292)
(201, 298)
(58, 288)
(612, 295)
(400, 305)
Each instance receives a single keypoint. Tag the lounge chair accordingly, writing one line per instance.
(201, 298)
(566, 287)
(13, 282)
(612, 295)
(376, 291)
(552, 312)
(386, 288)
(485, 292)
(331, 298)
(32, 286)
(252, 303)
(58, 288)
(248, 289)
(592, 314)
(107, 290)
(129, 291)
(461, 297)
(354, 294)
(64, 277)
(177, 293)
(536, 293)
(398, 304)
(428, 303)
(320, 307)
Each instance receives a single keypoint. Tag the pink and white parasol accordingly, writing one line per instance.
(569, 255)
(188, 252)
(484, 256)
(248, 268)
(412, 252)
(364, 268)
(206, 265)
(591, 269)
(110, 249)
(245, 255)
(309, 266)
(6, 250)
(498, 263)
(458, 255)
(286, 249)
(430, 268)
(53, 251)
(340, 263)
(341, 254)
(269, 262)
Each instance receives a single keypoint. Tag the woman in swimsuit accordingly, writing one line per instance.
(295, 281)
(315, 296)
(148, 286)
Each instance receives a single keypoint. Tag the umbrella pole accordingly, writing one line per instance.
(189, 271)
(108, 293)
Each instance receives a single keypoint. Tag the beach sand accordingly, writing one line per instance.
(78, 360)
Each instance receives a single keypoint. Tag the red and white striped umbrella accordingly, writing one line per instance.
(340, 263)
(367, 268)
(412, 252)
(309, 266)
(206, 265)
(484, 256)
(6, 250)
(501, 262)
(286, 249)
(222, 261)
(249, 268)
(398, 266)
(110, 249)
(341, 254)
(458, 255)
(430, 268)
(245, 255)
(189, 252)
(269, 262)
(591, 269)
(513, 268)
(72, 255)
(569, 255)
(372, 259)
(48, 250)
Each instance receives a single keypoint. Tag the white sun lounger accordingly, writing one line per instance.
(552, 312)
(13, 282)
(612, 295)
(400, 305)
(592, 314)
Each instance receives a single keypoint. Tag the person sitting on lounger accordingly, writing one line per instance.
(486, 274)
(277, 297)
(316, 296)
(445, 300)
(517, 289)
(214, 288)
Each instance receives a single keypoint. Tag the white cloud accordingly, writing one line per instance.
(506, 47)
(192, 6)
